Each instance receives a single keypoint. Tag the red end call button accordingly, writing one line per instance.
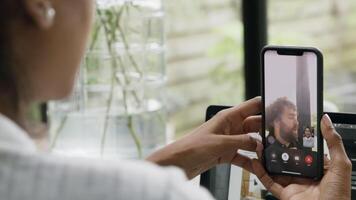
(308, 159)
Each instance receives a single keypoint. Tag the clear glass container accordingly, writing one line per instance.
(117, 108)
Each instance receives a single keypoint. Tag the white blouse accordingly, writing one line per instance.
(26, 174)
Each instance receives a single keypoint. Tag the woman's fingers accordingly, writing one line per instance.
(243, 162)
(327, 163)
(246, 109)
(333, 139)
(334, 142)
(265, 179)
(301, 181)
(282, 180)
(235, 116)
(252, 124)
(244, 142)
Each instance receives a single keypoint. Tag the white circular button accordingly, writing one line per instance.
(285, 156)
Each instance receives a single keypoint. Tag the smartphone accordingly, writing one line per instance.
(292, 98)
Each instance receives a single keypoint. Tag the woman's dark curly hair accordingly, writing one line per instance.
(9, 10)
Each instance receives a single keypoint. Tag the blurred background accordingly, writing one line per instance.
(205, 50)
(166, 61)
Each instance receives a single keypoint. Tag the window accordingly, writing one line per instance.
(330, 26)
(204, 47)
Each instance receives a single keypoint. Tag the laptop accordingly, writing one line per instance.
(217, 179)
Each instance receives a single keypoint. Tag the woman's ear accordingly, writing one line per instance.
(41, 12)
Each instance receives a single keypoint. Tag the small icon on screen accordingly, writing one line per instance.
(285, 157)
(274, 155)
(308, 159)
(271, 139)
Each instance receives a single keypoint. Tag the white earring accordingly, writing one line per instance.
(50, 13)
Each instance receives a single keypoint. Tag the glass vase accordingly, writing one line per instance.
(117, 109)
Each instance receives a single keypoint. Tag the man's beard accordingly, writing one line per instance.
(289, 136)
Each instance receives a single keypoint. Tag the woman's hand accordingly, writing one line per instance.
(336, 183)
(216, 141)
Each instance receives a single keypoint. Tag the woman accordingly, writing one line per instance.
(308, 139)
(41, 45)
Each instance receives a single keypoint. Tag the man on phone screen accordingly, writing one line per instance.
(282, 124)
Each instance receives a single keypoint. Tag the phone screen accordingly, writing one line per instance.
(291, 113)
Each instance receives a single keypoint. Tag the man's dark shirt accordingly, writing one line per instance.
(273, 155)
(293, 145)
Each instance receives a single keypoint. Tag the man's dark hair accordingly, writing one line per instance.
(310, 130)
(275, 110)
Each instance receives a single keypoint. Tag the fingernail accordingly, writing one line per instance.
(327, 121)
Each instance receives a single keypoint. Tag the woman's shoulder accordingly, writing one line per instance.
(78, 178)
